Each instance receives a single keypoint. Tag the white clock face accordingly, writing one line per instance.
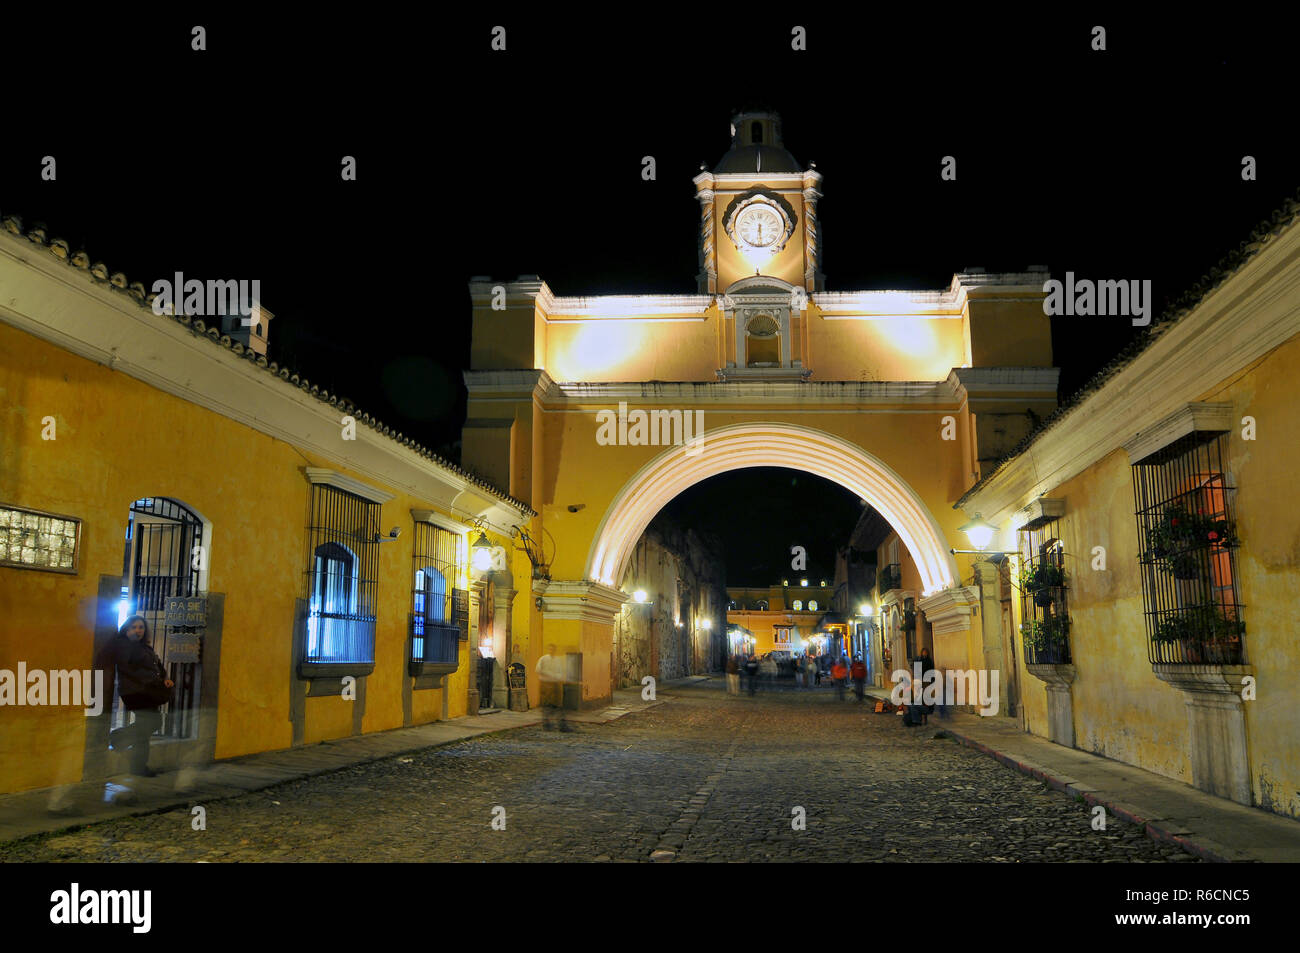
(760, 226)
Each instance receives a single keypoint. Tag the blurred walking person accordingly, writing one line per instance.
(733, 675)
(550, 673)
(858, 672)
(840, 673)
(143, 686)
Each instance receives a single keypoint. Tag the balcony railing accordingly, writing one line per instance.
(891, 577)
(435, 647)
(338, 644)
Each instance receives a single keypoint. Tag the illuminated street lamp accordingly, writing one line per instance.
(980, 533)
(639, 595)
(482, 558)
(864, 609)
(706, 624)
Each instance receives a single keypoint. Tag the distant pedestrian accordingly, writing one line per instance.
(751, 673)
(550, 673)
(927, 665)
(733, 675)
(840, 673)
(858, 672)
(143, 685)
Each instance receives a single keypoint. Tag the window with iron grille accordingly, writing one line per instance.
(1044, 595)
(438, 564)
(1188, 536)
(341, 585)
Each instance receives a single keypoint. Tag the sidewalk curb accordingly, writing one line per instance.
(1143, 817)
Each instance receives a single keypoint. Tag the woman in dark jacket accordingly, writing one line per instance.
(143, 685)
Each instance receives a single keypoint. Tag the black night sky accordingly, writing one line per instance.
(1122, 164)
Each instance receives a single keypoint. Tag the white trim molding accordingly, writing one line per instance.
(434, 518)
(1190, 418)
(1038, 512)
(581, 600)
(950, 610)
(344, 482)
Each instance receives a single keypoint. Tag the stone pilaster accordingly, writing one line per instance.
(1060, 701)
(812, 273)
(707, 280)
(1216, 725)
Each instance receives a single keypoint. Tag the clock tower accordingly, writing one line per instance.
(758, 211)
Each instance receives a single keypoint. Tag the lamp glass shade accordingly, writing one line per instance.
(979, 532)
(482, 557)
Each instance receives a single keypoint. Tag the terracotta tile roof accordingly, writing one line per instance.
(1281, 219)
(99, 272)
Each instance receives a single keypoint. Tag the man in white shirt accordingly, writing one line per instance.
(550, 674)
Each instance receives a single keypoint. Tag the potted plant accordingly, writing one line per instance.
(1179, 536)
(1204, 634)
(1043, 581)
(1032, 630)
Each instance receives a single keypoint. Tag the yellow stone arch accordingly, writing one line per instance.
(770, 444)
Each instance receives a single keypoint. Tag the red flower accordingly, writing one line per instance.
(1213, 535)
(1173, 521)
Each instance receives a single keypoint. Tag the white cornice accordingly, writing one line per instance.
(950, 303)
(1252, 313)
(343, 482)
(856, 393)
(1039, 511)
(950, 610)
(628, 307)
(583, 600)
(1192, 417)
(51, 301)
(435, 518)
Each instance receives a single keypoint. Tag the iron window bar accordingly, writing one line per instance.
(437, 605)
(341, 584)
(1187, 542)
(1044, 596)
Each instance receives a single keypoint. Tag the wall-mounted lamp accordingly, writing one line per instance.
(706, 624)
(980, 533)
(393, 533)
(640, 598)
(481, 560)
(864, 609)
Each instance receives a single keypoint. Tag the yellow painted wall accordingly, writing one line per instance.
(763, 626)
(892, 348)
(118, 440)
(1121, 709)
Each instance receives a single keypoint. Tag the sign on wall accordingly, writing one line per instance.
(186, 610)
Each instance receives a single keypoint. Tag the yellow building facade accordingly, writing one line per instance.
(181, 464)
(780, 618)
(596, 411)
(1183, 666)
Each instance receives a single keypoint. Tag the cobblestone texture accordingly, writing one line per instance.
(702, 777)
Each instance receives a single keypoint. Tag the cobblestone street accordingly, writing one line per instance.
(701, 777)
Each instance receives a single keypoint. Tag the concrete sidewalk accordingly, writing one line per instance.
(1211, 827)
(44, 810)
